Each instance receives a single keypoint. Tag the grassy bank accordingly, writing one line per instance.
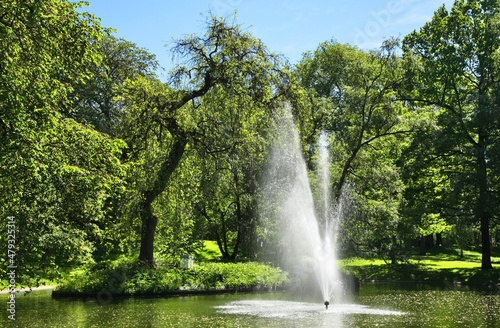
(129, 278)
(440, 265)
(124, 276)
(4, 284)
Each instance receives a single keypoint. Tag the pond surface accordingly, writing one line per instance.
(375, 305)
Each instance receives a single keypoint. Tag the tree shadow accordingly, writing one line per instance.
(425, 272)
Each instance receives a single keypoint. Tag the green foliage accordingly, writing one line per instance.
(41, 40)
(177, 231)
(238, 275)
(452, 66)
(93, 101)
(58, 194)
(217, 104)
(55, 174)
(367, 130)
(231, 155)
(130, 277)
(415, 138)
(432, 224)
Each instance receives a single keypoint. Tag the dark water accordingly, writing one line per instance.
(375, 305)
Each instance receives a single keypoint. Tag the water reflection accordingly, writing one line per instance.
(387, 305)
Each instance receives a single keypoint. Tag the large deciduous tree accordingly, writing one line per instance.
(358, 88)
(365, 124)
(55, 174)
(93, 100)
(454, 68)
(225, 59)
(231, 151)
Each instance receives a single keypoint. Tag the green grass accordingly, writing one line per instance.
(423, 271)
(209, 252)
(452, 253)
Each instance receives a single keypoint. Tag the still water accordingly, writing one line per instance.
(375, 305)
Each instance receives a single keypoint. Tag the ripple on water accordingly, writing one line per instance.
(287, 309)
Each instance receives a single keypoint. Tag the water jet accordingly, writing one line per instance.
(308, 229)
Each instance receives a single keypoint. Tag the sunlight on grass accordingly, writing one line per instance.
(209, 252)
(452, 253)
(422, 271)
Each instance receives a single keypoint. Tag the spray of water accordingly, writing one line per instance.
(307, 244)
(329, 275)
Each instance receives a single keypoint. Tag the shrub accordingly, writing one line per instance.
(128, 277)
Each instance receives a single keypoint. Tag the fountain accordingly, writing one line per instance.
(308, 240)
(305, 241)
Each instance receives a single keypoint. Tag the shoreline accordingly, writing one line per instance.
(176, 293)
(60, 294)
(181, 293)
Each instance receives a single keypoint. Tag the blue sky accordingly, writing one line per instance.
(289, 27)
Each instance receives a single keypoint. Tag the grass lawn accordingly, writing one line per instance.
(441, 264)
(209, 252)
(452, 253)
(426, 270)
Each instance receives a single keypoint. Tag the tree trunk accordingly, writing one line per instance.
(239, 217)
(439, 239)
(422, 245)
(149, 220)
(486, 247)
(429, 241)
(236, 246)
(337, 188)
(222, 246)
(482, 210)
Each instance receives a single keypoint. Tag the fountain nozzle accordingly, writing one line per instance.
(326, 304)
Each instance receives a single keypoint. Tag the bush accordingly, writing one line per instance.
(129, 277)
(238, 275)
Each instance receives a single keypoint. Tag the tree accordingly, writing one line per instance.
(429, 172)
(366, 125)
(231, 148)
(93, 100)
(55, 174)
(226, 58)
(359, 89)
(454, 69)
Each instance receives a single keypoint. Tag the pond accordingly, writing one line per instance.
(375, 304)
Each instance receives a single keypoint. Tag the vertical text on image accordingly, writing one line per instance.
(11, 267)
